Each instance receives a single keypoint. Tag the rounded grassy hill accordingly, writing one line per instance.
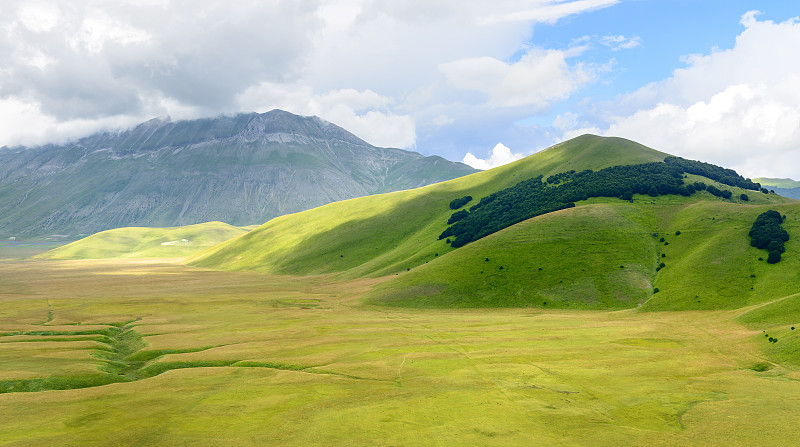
(144, 242)
(600, 254)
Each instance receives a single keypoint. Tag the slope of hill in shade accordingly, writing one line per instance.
(783, 186)
(600, 254)
(243, 169)
(140, 242)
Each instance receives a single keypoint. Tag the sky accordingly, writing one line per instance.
(475, 81)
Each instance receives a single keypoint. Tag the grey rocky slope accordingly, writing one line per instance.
(244, 169)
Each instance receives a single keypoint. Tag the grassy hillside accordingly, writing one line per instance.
(604, 255)
(594, 256)
(141, 242)
(711, 264)
(777, 182)
(601, 254)
(389, 233)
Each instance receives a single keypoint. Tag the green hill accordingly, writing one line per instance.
(568, 258)
(384, 234)
(600, 254)
(141, 242)
(604, 256)
(778, 182)
(783, 186)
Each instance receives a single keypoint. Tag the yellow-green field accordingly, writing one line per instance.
(145, 242)
(205, 357)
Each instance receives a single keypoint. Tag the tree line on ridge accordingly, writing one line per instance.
(534, 197)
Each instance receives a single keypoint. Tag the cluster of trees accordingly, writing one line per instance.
(458, 203)
(458, 215)
(768, 234)
(533, 197)
(725, 176)
(724, 193)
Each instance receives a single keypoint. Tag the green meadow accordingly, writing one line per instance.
(148, 352)
(144, 242)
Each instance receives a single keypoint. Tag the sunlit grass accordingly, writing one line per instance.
(602, 254)
(250, 359)
(143, 242)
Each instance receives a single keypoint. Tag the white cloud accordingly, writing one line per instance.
(365, 113)
(620, 42)
(538, 79)
(548, 11)
(443, 120)
(38, 16)
(750, 128)
(36, 58)
(94, 59)
(739, 107)
(394, 47)
(99, 28)
(500, 155)
(22, 122)
(566, 121)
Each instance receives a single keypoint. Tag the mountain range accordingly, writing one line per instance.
(243, 170)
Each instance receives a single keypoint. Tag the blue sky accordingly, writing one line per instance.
(483, 82)
(665, 32)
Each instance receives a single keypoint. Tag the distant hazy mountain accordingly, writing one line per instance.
(782, 186)
(242, 170)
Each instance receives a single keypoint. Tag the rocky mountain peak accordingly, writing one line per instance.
(241, 169)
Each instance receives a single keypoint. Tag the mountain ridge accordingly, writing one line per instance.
(248, 126)
(242, 169)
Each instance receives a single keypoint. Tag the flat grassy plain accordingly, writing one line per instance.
(26, 249)
(201, 357)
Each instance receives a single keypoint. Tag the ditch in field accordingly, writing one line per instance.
(122, 357)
